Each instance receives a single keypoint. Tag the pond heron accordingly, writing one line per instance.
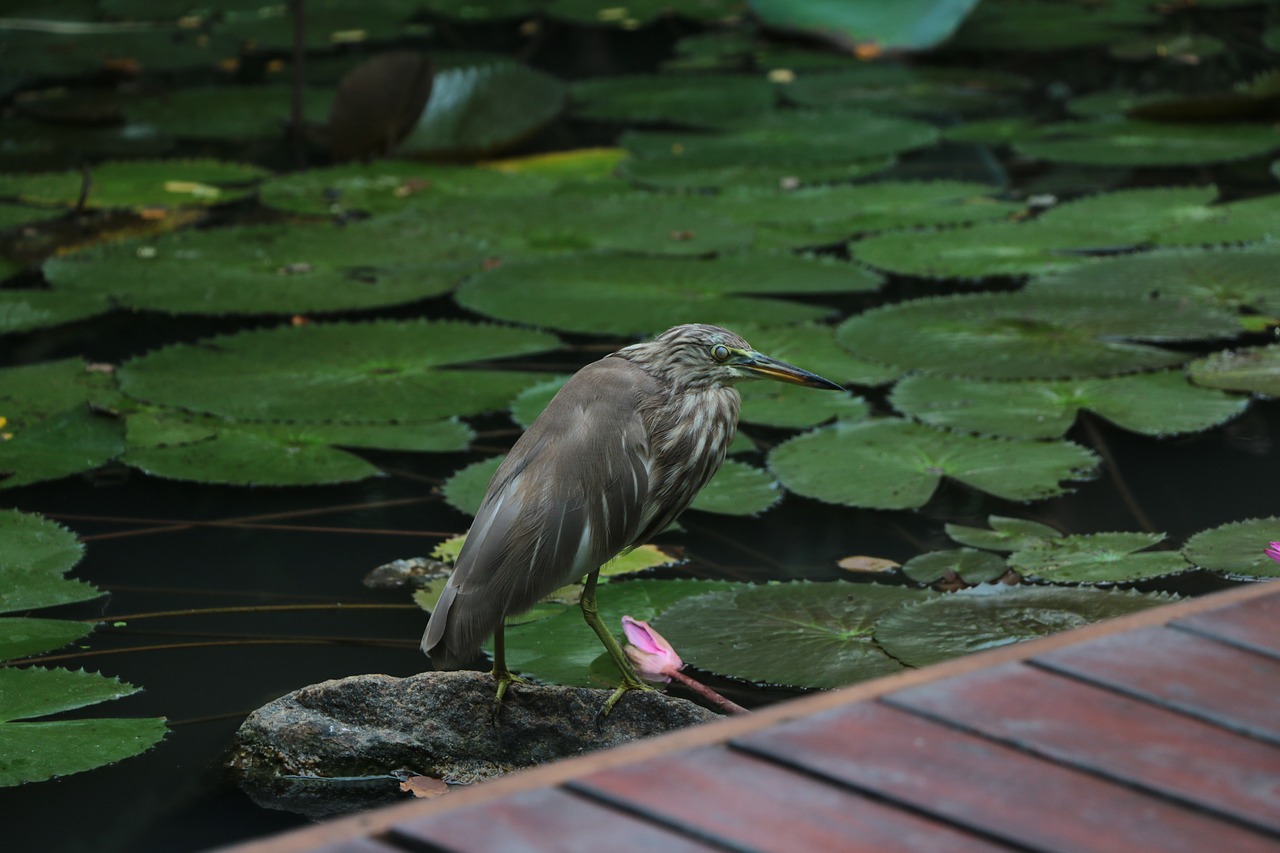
(618, 453)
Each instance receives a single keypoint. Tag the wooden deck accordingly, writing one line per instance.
(1158, 731)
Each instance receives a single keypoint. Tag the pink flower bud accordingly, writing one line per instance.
(649, 652)
(1273, 551)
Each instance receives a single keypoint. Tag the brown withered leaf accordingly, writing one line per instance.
(424, 787)
(868, 564)
(378, 103)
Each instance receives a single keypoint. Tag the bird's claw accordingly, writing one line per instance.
(627, 685)
(504, 680)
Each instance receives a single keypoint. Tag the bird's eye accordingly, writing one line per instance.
(720, 352)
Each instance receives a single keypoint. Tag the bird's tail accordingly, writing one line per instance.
(456, 631)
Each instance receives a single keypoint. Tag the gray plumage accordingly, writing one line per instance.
(621, 450)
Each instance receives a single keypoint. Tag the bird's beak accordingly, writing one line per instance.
(771, 368)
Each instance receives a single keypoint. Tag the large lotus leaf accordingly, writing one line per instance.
(68, 442)
(34, 555)
(702, 100)
(822, 215)
(623, 295)
(988, 617)
(970, 565)
(814, 347)
(22, 637)
(1253, 369)
(1236, 222)
(35, 751)
(33, 392)
(381, 372)
(386, 185)
(1034, 26)
(1131, 217)
(227, 112)
(801, 633)
(1158, 404)
(1097, 558)
(907, 89)
(1236, 548)
(1006, 534)
(1230, 277)
(903, 25)
(564, 650)
(893, 464)
(157, 183)
(24, 310)
(736, 489)
(797, 137)
(1030, 336)
(212, 450)
(481, 109)
(673, 171)
(260, 269)
(1111, 142)
(986, 249)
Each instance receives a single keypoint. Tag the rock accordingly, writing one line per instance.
(345, 744)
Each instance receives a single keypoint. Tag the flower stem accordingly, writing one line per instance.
(726, 705)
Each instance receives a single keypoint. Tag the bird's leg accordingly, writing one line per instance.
(503, 676)
(591, 612)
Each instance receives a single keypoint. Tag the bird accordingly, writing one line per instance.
(621, 450)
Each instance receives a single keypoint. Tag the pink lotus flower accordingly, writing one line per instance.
(1273, 551)
(649, 652)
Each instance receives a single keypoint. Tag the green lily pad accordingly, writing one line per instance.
(227, 112)
(792, 406)
(135, 184)
(647, 295)
(32, 392)
(1236, 549)
(676, 172)
(893, 464)
(701, 100)
(144, 45)
(1035, 26)
(482, 109)
(24, 636)
(1130, 217)
(1230, 277)
(1111, 142)
(381, 372)
(36, 751)
(267, 26)
(68, 442)
(562, 649)
(906, 25)
(212, 450)
(738, 489)
(906, 89)
(15, 215)
(24, 310)
(801, 633)
(1157, 404)
(1237, 222)
(986, 249)
(259, 269)
(1031, 336)
(988, 617)
(464, 489)
(1097, 558)
(35, 553)
(1006, 534)
(993, 131)
(530, 402)
(1252, 369)
(970, 565)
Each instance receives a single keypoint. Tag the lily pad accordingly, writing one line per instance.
(36, 751)
(893, 464)
(906, 89)
(988, 617)
(1006, 534)
(136, 184)
(696, 100)
(676, 172)
(623, 295)
(22, 637)
(1130, 217)
(801, 633)
(905, 25)
(35, 553)
(1253, 369)
(32, 392)
(814, 347)
(24, 310)
(1035, 26)
(1111, 142)
(1158, 404)
(983, 250)
(792, 407)
(1236, 549)
(1031, 336)
(68, 442)
(259, 269)
(227, 112)
(1097, 558)
(970, 565)
(482, 109)
(381, 372)
(1244, 221)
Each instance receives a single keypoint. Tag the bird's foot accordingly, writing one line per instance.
(627, 685)
(504, 679)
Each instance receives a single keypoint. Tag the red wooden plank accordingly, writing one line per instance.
(1228, 686)
(1253, 624)
(1124, 739)
(547, 820)
(746, 802)
(991, 788)
(358, 845)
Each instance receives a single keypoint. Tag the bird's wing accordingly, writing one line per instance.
(569, 496)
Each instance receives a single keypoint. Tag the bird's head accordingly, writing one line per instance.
(699, 356)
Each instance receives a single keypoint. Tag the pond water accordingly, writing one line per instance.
(243, 558)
